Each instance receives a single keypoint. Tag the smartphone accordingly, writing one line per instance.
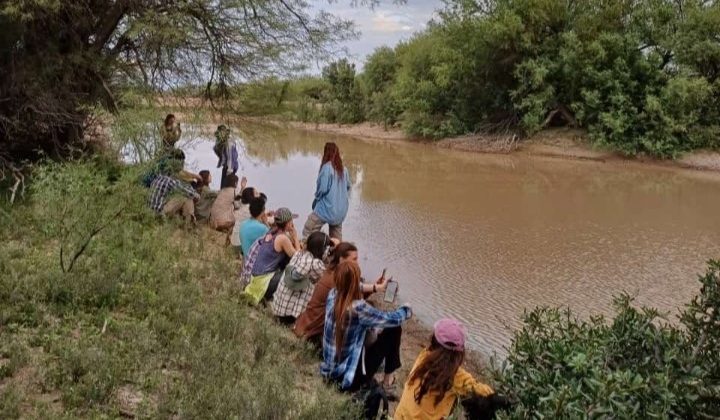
(391, 291)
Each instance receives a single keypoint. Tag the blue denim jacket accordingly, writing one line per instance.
(332, 195)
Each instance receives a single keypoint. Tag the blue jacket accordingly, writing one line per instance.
(332, 195)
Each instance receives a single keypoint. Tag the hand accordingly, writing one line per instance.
(380, 279)
(409, 309)
(243, 183)
(381, 286)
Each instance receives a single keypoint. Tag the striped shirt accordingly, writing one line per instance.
(341, 366)
(162, 186)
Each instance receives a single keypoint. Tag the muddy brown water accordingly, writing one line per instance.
(484, 237)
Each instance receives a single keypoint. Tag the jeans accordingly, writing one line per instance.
(315, 224)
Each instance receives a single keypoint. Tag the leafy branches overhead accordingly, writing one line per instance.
(58, 58)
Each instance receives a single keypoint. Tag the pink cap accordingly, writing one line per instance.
(450, 333)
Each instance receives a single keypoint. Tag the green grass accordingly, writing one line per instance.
(147, 323)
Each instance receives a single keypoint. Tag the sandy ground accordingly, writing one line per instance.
(559, 143)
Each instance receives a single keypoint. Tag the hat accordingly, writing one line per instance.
(297, 277)
(283, 215)
(450, 333)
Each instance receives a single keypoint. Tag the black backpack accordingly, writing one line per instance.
(371, 396)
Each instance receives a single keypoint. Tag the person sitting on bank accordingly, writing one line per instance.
(310, 324)
(242, 214)
(298, 282)
(171, 132)
(222, 216)
(358, 338)
(207, 196)
(332, 193)
(255, 227)
(227, 154)
(437, 379)
(162, 187)
(268, 258)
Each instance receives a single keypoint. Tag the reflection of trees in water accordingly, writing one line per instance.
(440, 179)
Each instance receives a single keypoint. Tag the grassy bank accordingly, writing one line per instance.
(146, 322)
(107, 311)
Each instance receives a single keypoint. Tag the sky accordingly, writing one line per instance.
(385, 24)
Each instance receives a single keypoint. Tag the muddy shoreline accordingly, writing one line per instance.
(560, 143)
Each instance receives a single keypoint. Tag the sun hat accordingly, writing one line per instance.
(297, 276)
(450, 333)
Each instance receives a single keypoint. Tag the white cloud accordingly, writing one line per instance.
(388, 22)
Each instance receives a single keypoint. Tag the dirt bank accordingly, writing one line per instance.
(558, 143)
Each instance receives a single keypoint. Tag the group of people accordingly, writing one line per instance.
(313, 282)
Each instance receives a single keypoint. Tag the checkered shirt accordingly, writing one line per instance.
(287, 302)
(162, 186)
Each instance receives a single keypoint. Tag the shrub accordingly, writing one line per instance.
(636, 366)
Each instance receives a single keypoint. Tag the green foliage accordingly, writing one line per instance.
(641, 77)
(59, 59)
(636, 366)
(148, 321)
(344, 103)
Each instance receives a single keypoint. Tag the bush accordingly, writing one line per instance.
(636, 366)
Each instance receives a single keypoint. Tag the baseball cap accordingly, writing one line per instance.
(283, 215)
(450, 333)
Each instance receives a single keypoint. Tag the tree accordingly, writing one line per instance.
(61, 58)
(345, 101)
(378, 77)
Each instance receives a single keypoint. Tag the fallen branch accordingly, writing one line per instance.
(84, 246)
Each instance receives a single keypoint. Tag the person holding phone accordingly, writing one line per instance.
(310, 323)
(351, 354)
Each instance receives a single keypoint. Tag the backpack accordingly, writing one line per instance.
(370, 396)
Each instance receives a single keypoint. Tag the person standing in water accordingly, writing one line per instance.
(226, 151)
(332, 195)
(171, 132)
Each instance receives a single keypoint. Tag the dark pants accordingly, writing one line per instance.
(223, 178)
(385, 348)
(272, 287)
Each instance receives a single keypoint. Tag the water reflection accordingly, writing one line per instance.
(482, 237)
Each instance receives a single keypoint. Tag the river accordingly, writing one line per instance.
(483, 237)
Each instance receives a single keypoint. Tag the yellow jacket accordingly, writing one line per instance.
(463, 385)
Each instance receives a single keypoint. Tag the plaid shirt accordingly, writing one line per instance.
(288, 302)
(341, 367)
(161, 188)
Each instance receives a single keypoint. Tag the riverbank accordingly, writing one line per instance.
(106, 311)
(561, 143)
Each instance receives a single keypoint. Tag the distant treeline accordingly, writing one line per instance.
(639, 76)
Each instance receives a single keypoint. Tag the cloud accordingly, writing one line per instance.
(388, 22)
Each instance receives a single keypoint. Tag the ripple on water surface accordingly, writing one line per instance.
(483, 237)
